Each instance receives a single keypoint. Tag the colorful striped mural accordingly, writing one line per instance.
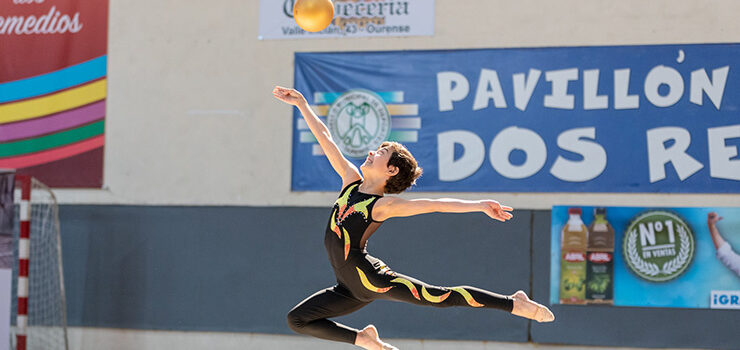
(53, 90)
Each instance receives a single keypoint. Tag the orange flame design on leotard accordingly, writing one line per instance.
(342, 201)
(346, 213)
(360, 207)
(409, 285)
(432, 298)
(346, 243)
(333, 225)
(341, 212)
(468, 298)
(369, 285)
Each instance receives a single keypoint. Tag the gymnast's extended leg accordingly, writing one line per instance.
(410, 290)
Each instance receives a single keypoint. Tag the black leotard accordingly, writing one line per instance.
(362, 278)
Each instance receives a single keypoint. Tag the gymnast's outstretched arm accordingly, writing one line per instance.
(388, 207)
(341, 165)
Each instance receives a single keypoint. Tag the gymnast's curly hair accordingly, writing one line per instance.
(408, 169)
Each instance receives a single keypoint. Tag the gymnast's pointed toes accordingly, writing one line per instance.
(544, 314)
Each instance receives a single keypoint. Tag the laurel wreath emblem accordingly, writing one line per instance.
(670, 268)
(674, 265)
(635, 260)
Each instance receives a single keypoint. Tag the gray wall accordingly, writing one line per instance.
(242, 268)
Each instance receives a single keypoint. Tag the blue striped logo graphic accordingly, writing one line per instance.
(405, 119)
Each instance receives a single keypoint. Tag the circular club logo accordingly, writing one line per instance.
(658, 246)
(359, 121)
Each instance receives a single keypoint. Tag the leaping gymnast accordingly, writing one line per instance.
(360, 209)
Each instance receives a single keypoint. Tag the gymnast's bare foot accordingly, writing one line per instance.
(368, 339)
(525, 307)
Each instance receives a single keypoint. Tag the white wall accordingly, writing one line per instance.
(191, 120)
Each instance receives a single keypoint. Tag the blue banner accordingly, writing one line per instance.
(655, 257)
(584, 119)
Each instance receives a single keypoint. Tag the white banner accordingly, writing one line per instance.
(352, 18)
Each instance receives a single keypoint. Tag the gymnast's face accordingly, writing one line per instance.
(376, 163)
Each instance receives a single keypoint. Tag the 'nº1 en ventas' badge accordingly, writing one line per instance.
(658, 245)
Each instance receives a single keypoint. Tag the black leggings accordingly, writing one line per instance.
(311, 316)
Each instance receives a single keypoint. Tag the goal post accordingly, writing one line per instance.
(40, 313)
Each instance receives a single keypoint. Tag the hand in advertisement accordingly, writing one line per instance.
(713, 218)
(725, 254)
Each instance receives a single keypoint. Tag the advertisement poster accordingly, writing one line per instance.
(646, 257)
(53, 89)
(660, 118)
(352, 18)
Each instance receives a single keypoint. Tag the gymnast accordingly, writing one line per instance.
(361, 208)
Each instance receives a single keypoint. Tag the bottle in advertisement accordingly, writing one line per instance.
(600, 260)
(573, 259)
(575, 233)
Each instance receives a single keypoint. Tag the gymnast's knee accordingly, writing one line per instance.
(296, 322)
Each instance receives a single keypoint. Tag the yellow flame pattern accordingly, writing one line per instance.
(333, 225)
(342, 201)
(346, 243)
(432, 298)
(409, 285)
(468, 298)
(362, 207)
(369, 285)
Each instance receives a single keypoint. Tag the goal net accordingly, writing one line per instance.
(39, 315)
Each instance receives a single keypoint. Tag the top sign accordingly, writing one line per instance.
(660, 118)
(352, 18)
